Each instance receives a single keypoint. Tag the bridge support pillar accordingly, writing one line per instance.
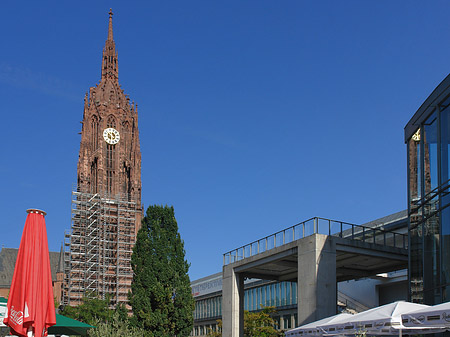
(232, 303)
(317, 290)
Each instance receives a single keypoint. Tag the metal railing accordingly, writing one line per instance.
(317, 225)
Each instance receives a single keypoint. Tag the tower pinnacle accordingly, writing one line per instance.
(110, 67)
(110, 28)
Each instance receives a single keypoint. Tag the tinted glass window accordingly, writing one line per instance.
(430, 154)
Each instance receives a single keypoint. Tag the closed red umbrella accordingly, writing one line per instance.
(30, 308)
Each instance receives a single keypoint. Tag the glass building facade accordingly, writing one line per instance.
(282, 295)
(427, 136)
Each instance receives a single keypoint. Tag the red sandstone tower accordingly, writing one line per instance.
(106, 203)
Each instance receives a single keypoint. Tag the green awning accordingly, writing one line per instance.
(64, 325)
(68, 326)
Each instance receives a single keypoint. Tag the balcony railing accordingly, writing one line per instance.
(316, 225)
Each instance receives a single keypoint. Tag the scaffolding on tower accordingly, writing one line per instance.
(98, 247)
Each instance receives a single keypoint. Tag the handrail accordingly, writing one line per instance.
(316, 225)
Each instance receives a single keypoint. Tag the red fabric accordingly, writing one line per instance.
(30, 302)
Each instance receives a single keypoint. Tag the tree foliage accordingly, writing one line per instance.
(256, 324)
(116, 327)
(94, 310)
(161, 296)
(217, 332)
(261, 323)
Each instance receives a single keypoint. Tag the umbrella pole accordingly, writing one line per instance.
(400, 333)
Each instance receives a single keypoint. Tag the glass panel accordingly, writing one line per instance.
(277, 322)
(270, 242)
(431, 257)
(288, 293)
(445, 249)
(430, 154)
(272, 294)
(263, 295)
(323, 226)
(432, 296)
(446, 294)
(414, 170)
(335, 228)
(262, 245)
(278, 294)
(254, 248)
(246, 300)
(239, 254)
(310, 227)
(445, 143)
(279, 239)
(247, 251)
(287, 322)
(294, 294)
(298, 232)
(416, 256)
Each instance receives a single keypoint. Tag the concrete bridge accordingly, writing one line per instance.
(316, 262)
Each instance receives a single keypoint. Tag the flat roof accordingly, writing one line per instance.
(439, 94)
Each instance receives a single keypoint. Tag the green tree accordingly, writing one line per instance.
(256, 324)
(261, 323)
(93, 310)
(217, 332)
(161, 296)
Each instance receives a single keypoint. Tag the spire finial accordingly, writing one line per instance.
(109, 63)
(110, 28)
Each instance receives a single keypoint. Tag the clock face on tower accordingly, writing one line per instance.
(111, 136)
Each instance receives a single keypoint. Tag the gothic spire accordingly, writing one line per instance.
(110, 67)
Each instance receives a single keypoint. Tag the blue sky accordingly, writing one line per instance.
(253, 115)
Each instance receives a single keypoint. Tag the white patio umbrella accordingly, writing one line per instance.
(311, 329)
(2, 315)
(429, 317)
(383, 320)
(3, 302)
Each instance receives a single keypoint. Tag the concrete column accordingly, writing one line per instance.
(317, 293)
(232, 303)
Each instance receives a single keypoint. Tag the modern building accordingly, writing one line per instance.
(360, 291)
(427, 136)
(106, 201)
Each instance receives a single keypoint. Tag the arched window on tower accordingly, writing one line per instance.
(126, 139)
(94, 133)
(111, 122)
(110, 160)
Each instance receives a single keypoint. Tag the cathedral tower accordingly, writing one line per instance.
(106, 203)
(110, 158)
